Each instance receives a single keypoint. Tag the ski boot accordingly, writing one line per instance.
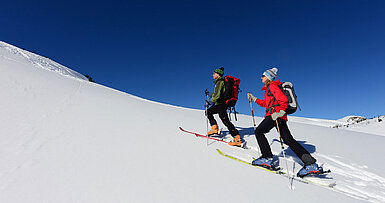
(264, 162)
(237, 142)
(214, 130)
(312, 169)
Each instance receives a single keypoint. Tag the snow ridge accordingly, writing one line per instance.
(37, 61)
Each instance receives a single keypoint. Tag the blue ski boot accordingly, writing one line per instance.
(309, 170)
(264, 162)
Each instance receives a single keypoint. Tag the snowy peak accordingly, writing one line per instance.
(16, 54)
(352, 119)
(374, 125)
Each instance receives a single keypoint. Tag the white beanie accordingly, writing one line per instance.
(271, 74)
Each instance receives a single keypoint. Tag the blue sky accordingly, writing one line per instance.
(333, 51)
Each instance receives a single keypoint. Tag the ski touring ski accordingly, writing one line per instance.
(243, 146)
(203, 136)
(278, 171)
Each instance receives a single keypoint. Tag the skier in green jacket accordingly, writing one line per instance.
(220, 107)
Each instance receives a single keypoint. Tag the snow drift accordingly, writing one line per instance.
(64, 139)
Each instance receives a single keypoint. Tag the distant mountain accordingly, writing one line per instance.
(352, 119)
(374, 125)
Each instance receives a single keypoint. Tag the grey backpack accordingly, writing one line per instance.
(287, 89)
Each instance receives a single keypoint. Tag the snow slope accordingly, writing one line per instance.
(64, 139)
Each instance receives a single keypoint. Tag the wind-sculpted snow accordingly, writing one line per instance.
(17, 54)
(63, 139)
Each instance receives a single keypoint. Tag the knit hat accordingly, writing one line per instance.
(271, 74)
(220, 71)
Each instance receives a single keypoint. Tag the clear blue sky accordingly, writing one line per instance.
(333, 51)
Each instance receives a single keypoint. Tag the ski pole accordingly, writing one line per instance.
(252, 113)
(235, 114)
(283, 152)
(207, 119)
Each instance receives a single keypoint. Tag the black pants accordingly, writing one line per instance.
(221, 110)
(266, 125)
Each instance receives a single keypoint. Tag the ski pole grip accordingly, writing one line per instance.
(206, 92)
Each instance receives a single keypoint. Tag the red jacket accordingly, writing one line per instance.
(280, 102)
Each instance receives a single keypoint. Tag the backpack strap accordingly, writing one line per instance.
(271, 109)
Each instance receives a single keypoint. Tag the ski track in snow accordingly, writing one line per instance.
(355, 180)
(351, 179)
(30, 138)
(33, 140)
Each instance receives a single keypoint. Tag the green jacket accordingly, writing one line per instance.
(219, 91)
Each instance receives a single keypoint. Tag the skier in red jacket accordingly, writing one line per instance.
(275, 103)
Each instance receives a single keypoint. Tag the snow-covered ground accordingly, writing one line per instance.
(64, 139)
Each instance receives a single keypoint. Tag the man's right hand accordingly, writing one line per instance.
(208, 103)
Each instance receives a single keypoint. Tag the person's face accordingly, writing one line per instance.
(216, 75)
(264, 79)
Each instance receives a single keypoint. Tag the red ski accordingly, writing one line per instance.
(204, 136)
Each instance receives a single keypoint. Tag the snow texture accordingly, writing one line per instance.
(22, 56)
(64, 139)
